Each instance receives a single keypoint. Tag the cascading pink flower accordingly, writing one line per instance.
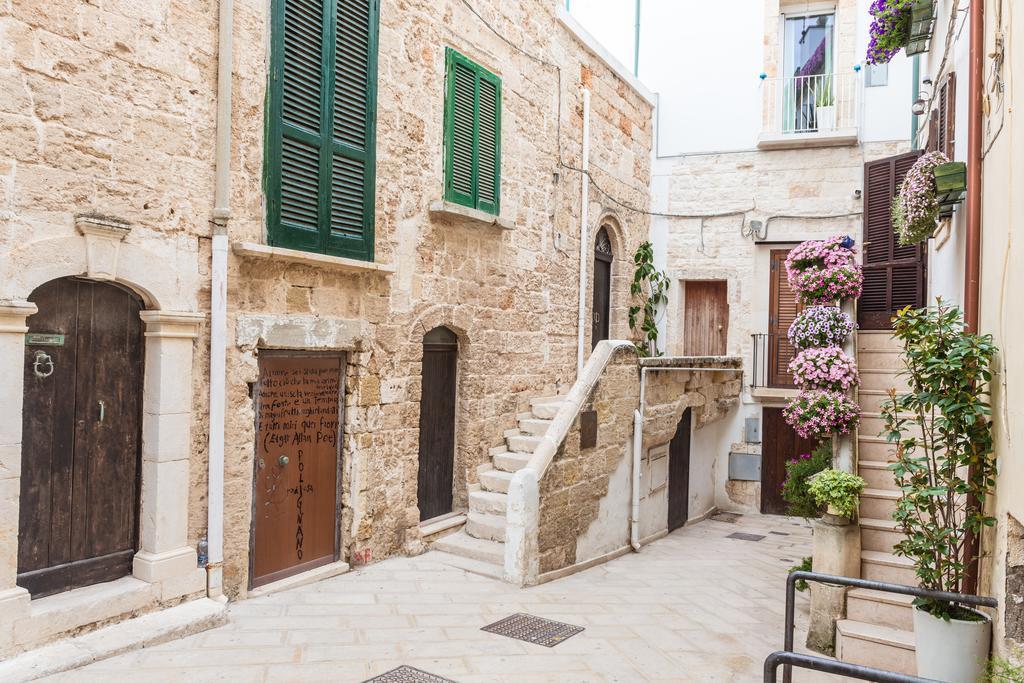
(819, 414)
(824, 271)
(824, 368)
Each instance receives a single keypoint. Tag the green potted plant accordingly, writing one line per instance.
(838, 492)
(825, 105)
(795, 488)
(945, 468)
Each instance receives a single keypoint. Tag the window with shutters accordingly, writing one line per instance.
(783, 308)
(941, 123)
(321, 132)
(472, 135)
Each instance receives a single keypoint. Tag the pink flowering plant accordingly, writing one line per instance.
(818, 414)
(820, 326)
(915, 208)
(890, 29)
(824, 271)
(824, 368)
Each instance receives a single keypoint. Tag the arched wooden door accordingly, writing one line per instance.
(437, 423)
(78, 516)
(602, 287)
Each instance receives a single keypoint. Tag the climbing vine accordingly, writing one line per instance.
(648, 290)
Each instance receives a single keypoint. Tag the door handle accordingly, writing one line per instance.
(103, 410)
(282, 460)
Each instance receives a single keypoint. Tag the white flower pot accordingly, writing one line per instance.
(826, 118)
(953, 651)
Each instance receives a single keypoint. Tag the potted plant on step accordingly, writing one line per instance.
(945, 468)
(825, 106)
(838, 492)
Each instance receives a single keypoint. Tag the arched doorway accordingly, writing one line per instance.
(437, 423)
(602, 296)
(81, 421)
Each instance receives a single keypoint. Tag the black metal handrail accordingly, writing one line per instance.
(831, 665)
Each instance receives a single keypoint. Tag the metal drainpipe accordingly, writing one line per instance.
(584, 240)
(218, 309)
(972, 256)
(636, 41)
(915, 93)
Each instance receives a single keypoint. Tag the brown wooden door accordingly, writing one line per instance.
(706, 318)
(602, 298)
(81, 424)
(679, 473)
(437, 423)
(298, 433)
(783, 308)
(894, 276)
(779, 443)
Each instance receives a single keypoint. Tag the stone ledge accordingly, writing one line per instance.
(436, 526)
(443, 209)
(254, 250)
(773, 393)
(844, 137)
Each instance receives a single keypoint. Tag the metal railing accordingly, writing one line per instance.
(820, 103)
(770, 356)
(788, 659)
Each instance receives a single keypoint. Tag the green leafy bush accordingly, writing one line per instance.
(838, 489)
(805, 565)
(942, 429)
(648, 290)
(794, 489)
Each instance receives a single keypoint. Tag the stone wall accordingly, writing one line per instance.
(509, 295)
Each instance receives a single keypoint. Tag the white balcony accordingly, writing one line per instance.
(811, 111)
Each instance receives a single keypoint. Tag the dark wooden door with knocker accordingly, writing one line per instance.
(602, 288)
(298, 435)
(437, 423)
(78, 512)
(679, 473)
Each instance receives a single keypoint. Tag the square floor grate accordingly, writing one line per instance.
(745, 537)
(533, 629)
(407, 674)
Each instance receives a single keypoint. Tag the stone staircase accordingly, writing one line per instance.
(878, 630)
(479, 546)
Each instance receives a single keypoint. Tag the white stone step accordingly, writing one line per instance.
(873, 448)
(524, 416)
(488, 503)
(871, 400)
(880, 340)
(887, 359)
(877, 646)
(495, 480)
(498, 450)
(880, 535)
(881, 380)
(879, 566)
(479, 567)
(511, 462)
(486, 527)
(523, 443)
(881, 608)
(877, 474)
(547, 408)
(878, 503)
(534, 426)
(509, 433)
(464, 545)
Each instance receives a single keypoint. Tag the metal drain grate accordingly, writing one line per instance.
(533, 629)
(407, 674)
(729, 517)
(745, 537)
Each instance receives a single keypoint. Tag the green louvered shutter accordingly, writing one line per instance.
(321, 152)
(472, 135)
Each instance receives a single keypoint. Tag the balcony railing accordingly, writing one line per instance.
(826, 105)
(770, 356)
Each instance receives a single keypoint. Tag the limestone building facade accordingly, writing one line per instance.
(375, 209)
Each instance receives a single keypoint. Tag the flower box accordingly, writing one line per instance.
(950, 185)
(919, 35)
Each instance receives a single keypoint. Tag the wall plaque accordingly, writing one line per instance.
(588, 429)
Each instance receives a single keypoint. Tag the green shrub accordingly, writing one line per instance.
(805, 565)
(794, 488)
(1002, 670)
(839, 489)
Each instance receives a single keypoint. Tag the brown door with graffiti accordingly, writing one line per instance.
(706, 318)
(78, 511)
(298, 434)
(779, 443)
(600, 316)
(437, 423)
(679, 473)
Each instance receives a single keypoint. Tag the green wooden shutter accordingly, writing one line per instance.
(472, 135)
(321, 133)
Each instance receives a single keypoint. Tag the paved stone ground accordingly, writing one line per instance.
(694, 606)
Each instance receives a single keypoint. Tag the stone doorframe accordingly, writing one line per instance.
(164, 559)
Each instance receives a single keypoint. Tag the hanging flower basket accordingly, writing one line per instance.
(824, 271)
(820, 414)
(922, 19)
(950, 185)
(916, 206)
(820, 326)
(826, 368)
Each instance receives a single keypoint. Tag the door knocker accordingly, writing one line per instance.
(43, 365)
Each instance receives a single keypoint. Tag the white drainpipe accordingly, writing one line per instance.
(584, 241)
(219, 310)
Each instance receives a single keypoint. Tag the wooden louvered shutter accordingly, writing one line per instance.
(783, 307)
(320, 155)
(472, 135)
(894, 276)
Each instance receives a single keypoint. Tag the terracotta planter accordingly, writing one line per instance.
(954, 651)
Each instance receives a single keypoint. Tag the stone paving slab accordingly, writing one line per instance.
(693, 606)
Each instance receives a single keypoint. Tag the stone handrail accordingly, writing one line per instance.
(521, 556)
